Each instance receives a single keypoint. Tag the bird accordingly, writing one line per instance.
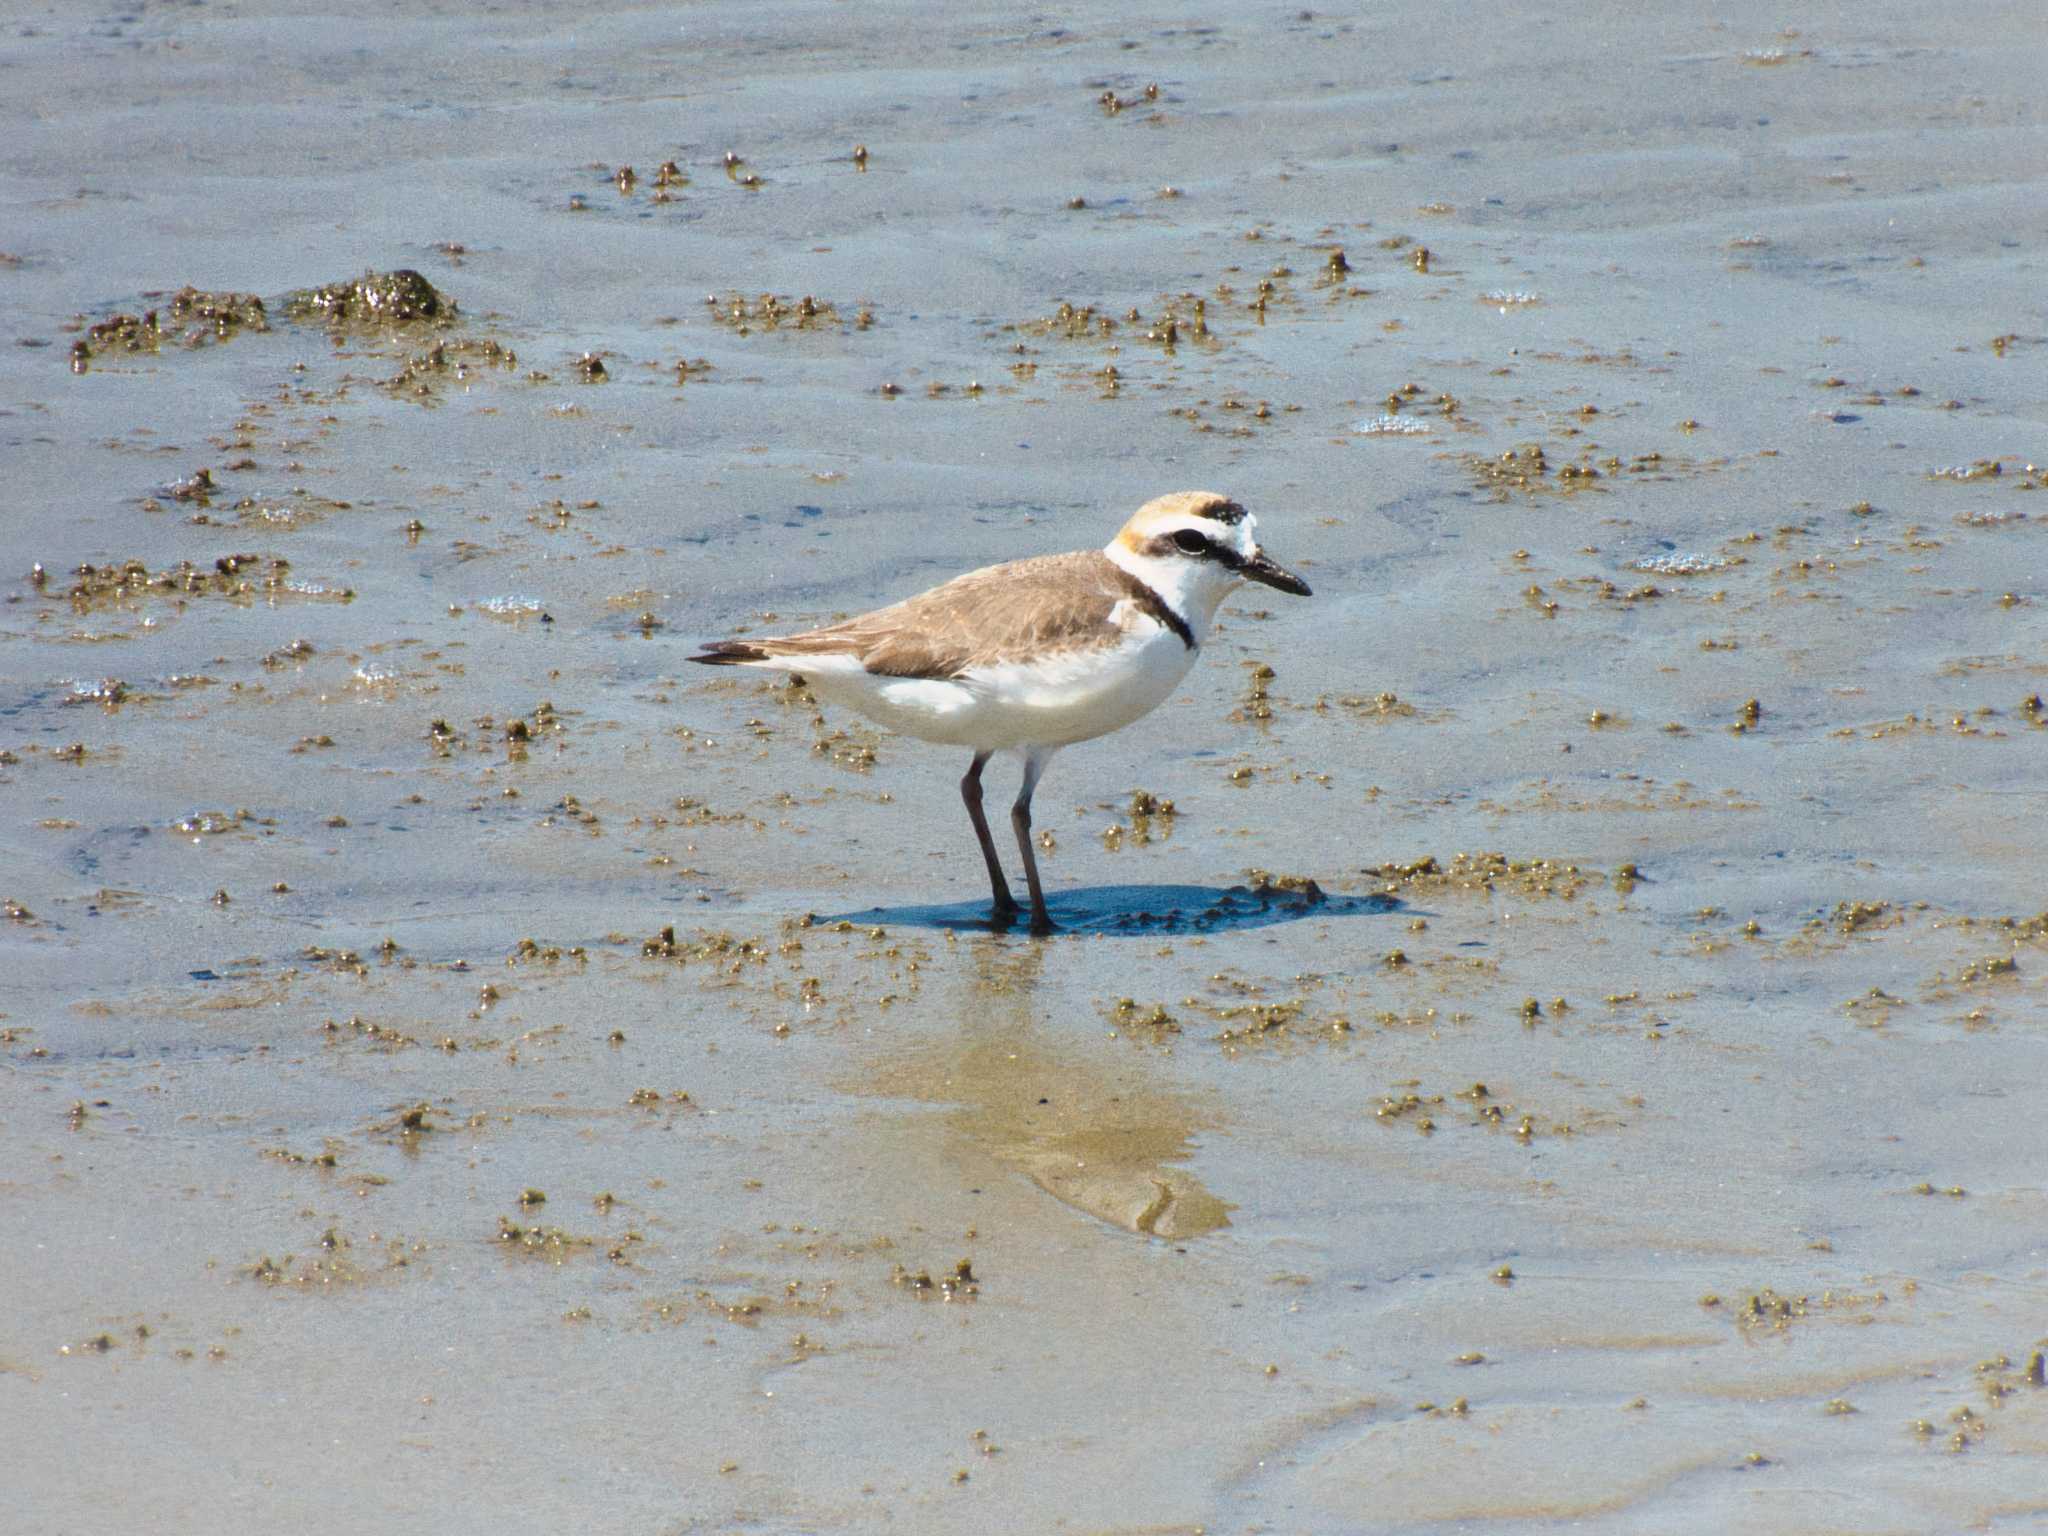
(1033, 655)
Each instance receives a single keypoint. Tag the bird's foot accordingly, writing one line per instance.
(1042, 925)
(1003, 914)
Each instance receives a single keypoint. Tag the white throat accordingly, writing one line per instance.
(1194, 589)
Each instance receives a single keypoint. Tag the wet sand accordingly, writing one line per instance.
(1572, 1051)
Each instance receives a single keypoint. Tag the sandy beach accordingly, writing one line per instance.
(1545, 1034)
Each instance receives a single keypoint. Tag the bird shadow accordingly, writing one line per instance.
(1143, 909)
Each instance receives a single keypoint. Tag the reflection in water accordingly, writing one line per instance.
(1091, 1132)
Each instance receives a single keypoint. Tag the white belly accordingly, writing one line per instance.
(1051, 702)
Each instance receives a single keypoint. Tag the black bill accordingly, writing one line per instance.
(1260, 569)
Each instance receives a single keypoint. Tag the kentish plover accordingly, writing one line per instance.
(1034, 655)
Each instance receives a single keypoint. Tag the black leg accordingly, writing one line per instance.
(1020, 818)
(970, 791)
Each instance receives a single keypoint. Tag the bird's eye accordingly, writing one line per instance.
(1190, 541)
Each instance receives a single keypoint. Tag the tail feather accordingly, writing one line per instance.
(730, 653)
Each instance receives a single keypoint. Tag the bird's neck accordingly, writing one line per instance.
(1193, 589)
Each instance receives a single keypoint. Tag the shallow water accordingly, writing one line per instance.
(1668, 1159)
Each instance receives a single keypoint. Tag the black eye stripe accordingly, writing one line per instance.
(1199, 546)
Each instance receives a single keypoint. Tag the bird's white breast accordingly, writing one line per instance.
(1049, 700)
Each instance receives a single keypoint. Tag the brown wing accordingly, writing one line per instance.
(1052, 603)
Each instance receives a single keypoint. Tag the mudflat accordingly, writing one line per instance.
(1548, 1029)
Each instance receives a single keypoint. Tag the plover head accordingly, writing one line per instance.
(1192, 547)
